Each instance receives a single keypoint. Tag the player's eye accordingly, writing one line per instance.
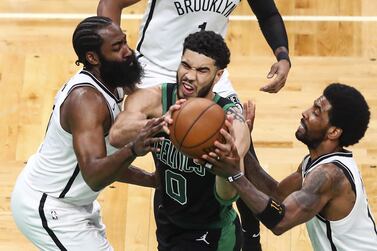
(185, 65)
(316, 111)
(203, 70)
(116, 48)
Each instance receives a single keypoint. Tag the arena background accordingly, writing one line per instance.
(330, 41)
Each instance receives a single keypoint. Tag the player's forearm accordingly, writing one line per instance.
(109, 8)
(101, 172)
(113, 8)
(260, 178)
(300, 207)
(270, 213)
(125, 130)
(224, 189)
(273, 30)
(254, 199)
(271, 23)
(278, 217)
(137, 176)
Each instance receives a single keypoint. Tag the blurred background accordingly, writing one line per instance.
(329, 41)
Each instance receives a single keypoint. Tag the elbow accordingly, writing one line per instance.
(94, 186)
(114, 140)
(278, 230)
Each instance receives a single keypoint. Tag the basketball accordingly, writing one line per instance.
(196, 126)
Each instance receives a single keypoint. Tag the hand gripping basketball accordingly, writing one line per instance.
(144, 142)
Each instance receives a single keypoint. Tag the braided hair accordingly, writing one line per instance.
(86, 37)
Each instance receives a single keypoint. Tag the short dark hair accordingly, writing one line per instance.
(209, 44)
(349, 111)
(86, 37)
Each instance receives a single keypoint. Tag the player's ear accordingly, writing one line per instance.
(92, 58)
(219, 73)
(334, 133)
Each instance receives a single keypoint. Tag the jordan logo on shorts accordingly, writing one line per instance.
(203, 238)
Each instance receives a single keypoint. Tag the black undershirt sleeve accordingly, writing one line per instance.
(270, 22)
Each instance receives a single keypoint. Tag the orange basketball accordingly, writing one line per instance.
(196, 126)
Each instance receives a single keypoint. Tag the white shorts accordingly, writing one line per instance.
(156, 75)
(54, 225)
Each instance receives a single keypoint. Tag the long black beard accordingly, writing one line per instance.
(121, 74)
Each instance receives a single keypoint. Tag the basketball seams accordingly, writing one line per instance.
(193, 124)
(214, 134)
(175, 125)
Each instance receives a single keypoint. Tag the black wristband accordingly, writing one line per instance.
(272, 214)
(133, 149)
(284, 55)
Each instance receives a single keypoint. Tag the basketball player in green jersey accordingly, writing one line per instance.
(195, 207)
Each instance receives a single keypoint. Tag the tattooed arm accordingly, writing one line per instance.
(242, 140)
(319, 187)
(267, 184)
(242, 133)
(321, 191)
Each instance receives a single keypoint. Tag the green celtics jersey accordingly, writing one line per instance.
(187, 189)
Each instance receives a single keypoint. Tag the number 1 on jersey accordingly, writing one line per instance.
(202, 27)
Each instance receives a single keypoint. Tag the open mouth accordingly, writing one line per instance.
(187, 89)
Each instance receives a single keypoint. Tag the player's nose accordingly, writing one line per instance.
(191, 74)
(126, 51)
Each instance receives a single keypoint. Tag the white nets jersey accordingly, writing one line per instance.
(54, 169)
(357, 231)
(166, 23)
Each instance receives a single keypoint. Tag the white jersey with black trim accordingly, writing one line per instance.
(54, 169)
(167, 23)
(357, 231)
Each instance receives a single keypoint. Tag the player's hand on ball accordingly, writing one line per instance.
(168, 116)
(224, 161)
(145, 140)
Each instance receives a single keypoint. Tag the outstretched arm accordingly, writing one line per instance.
(320, 186)
(297, 208)
(139, 108)
(258, 176)
(273, 29)
(85, 115)
(113, 8)
(267, 184)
